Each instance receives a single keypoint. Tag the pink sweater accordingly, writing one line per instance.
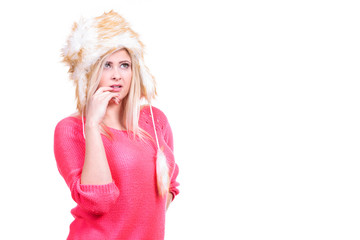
(128, 208)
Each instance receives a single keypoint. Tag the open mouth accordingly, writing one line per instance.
(115, 86)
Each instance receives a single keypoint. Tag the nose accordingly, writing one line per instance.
(116, 74)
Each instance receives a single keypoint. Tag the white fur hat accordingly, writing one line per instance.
(91, 39)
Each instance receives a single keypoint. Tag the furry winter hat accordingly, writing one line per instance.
(91, 39)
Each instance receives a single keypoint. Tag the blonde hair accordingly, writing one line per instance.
(130, 106)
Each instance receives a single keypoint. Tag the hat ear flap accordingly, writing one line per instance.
(147, 82)
(81, 89)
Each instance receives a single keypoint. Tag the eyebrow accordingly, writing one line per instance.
(123, 61)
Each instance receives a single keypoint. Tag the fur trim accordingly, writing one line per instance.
(91, 39)
(162, 173)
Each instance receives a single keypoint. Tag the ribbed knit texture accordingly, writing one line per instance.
(129, 207)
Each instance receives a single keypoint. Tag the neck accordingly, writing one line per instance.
(112, 116)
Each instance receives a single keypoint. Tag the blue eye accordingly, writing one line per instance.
(107, 65)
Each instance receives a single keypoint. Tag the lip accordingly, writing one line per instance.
(116, 87)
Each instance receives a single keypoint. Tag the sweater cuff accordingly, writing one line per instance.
(97, 199)
(106, 188)
(174, 191)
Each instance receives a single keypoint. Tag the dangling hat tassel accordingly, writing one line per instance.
(162, 169)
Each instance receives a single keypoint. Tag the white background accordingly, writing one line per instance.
(262, 96)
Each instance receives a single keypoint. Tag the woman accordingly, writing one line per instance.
(115, 155)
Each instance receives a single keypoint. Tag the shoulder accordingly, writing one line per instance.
(159, 115)
(70, 125)
(70, 121)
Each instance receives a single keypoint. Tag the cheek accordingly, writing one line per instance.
(103, 79)
(129, 74)
(128, 78)
(101, 83)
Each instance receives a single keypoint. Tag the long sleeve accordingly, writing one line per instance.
(69, 150)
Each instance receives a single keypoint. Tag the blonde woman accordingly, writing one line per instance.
(115, 155)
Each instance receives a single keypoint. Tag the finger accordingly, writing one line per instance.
(115, 100)
(111, 95)
(106, 94)
(103, 89)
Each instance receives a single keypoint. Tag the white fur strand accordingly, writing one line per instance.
(162, 173)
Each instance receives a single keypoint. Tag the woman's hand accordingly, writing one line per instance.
(97, 104)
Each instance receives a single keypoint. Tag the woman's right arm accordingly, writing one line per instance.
(96, 169)
(92, 195)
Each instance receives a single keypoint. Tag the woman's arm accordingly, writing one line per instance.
(69, 150)
(96, 170)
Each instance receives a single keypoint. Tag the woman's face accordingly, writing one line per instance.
(117, 73)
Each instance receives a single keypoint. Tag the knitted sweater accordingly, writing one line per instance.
(129, 207)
